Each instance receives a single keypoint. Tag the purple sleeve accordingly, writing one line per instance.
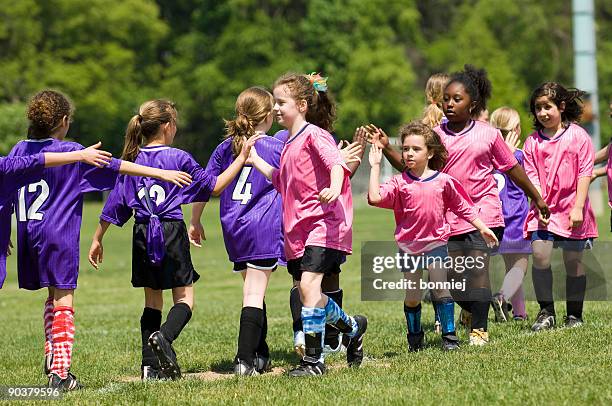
(214, 163)
(115, 210)
(94, 179)
(203, 182)
(458, 201)
(19, 171)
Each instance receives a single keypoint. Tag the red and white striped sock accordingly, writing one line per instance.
(63, 339)
(48, 319)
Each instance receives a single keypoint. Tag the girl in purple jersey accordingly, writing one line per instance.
(251, 212)
(20, 171)
(160, 250)
(48, 224)
(514, 248)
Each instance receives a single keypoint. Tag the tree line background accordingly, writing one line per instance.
(111, 55)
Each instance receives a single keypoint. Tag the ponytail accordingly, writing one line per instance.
(133, 139)
(238, 129)
(432, 115)
(322, 113)
(253, 106)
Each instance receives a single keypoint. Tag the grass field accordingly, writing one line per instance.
(561, 366)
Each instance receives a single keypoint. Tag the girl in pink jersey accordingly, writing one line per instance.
(475, 150)
(420, 197)
(313, 181)
(559, 159)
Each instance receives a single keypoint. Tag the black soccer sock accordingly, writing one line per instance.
(177, 319)
(331, 332)
(149, 323)
(296, 309)
(262, 348)
(251, 320)
(543, 286)
(314, 350)
(575, 288)
(481, 300)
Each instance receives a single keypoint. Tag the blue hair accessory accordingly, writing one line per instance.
(318, 82)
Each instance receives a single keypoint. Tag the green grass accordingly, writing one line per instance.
(559, 366)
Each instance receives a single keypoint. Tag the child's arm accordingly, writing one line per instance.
(262, 166)
(375, 157)
(575, 216)
(90, 155)
(196, 230)
(227, 176)
(378, 136)
(331, 193)
(519, 177)
(597, 172)
(602, 155)
(177, 177)
(96, 250)
(488, 235)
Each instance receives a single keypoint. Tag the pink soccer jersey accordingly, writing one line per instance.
(419, 206)
(305, 168)
(554, 165)
(473, 156)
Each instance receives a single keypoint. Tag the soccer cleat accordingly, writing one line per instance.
(544, 321)
(354, 349)
(165, 354)
(299, 343)
(450, 342)
(416, 341)
(47, 363)
(520, 317)
(479, 337)
(465, 319)
(150, 373)
(333, 347)
(262, 364)
(242, 368)
(307, 368)
(70, 383)
(500, 308)
(572, 321)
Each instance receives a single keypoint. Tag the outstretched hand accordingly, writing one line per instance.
(94, 156)
(375, 155)
(350, 152)
(377, 136)
(179, 178)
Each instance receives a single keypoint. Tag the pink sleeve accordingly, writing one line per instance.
(503, 159)
(529, 162)
(389, 192)
(458, 201)
(276, 179)
(327, 151)
(586, 156)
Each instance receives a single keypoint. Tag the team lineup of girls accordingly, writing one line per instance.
(286, 200)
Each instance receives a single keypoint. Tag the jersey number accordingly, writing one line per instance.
(242, 191)
(156, 192)
(32, 213)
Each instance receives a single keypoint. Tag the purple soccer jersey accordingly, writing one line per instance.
(128, 197)
(515, 208)
(250, 209)
(49, 216)
(14, 173)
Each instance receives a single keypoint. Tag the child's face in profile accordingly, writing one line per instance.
(286, 109)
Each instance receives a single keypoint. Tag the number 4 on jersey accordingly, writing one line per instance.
(242, 191)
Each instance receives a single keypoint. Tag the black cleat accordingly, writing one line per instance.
(450, 342)
(416, 342)
(572, 321)
(150, 373)
(243, 368)
(544, 321)
(500, 308)
(165, 354)
(70, 383)
(307, 368)
(354, 349)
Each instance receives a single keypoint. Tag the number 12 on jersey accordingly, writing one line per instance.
(32, 213)
(242, 190)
